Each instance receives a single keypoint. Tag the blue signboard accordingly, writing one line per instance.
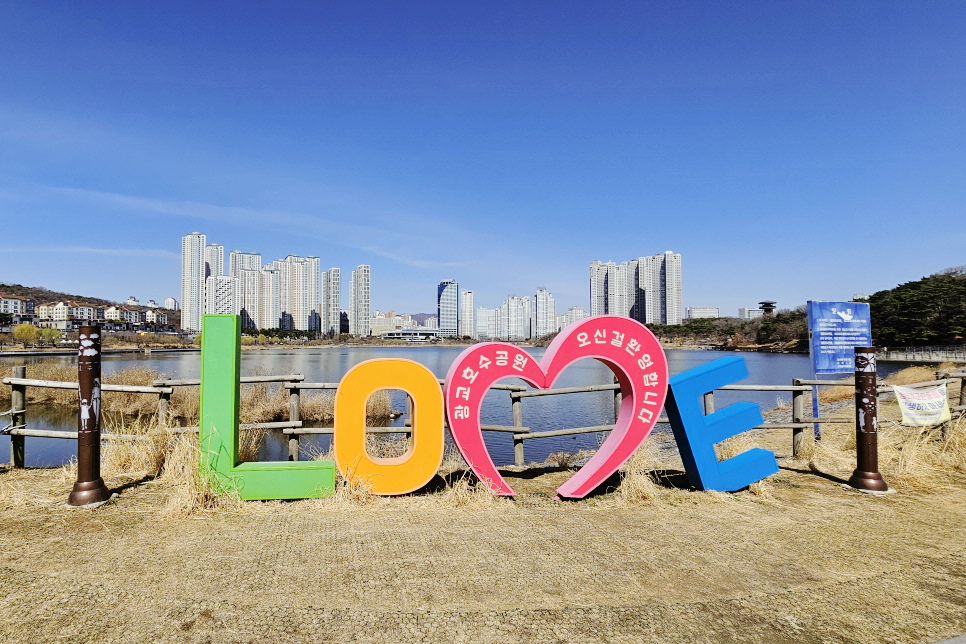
(836, 328)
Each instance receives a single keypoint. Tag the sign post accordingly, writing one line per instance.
(866, 475)
(835, 329)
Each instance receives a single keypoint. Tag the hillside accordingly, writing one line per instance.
(929, 311)
(41, 295)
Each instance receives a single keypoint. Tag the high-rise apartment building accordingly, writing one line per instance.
(221, 295)
(239, 261)
(467, 327)
(171, 304)
(214, 260)
(192, 280)
(447, 307)
(249, 296)
(331, 305)
(544, 313)
(299, 292)
(359, 301)
(573, 314)
(647, 289)
(269, 299)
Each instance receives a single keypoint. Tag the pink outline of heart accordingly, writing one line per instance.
(463, 403)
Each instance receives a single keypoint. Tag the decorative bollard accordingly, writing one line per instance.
(866, 475)
(89, 487)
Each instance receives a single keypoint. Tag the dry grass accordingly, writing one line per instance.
(638, 485)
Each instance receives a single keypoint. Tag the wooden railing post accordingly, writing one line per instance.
(709, 403)
(164, 408)
(618, 399)
(293, 415)
(798, 416)
(18, 403)
(517, 404)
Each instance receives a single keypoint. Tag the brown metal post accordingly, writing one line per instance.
(866, 475)
(18, 405)
(89, 487)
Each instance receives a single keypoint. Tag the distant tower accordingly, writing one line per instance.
(359, 300)
(221, 295)
(447, 307)
(239, 261)
(192, 280)
(331, 301)
(467, 328)
(545, 313)
(214, 260)
(767, 308)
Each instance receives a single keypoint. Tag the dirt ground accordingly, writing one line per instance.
(807, 561)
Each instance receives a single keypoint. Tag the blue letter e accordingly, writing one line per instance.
(697, 434)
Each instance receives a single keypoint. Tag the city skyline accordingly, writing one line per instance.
(425, 153)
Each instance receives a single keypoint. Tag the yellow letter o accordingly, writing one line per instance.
(420, 463)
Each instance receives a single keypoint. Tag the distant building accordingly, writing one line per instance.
(172, 304)
(269, 298)
(750, 313)
(214, 260)
(16, 305)
(767, 307)
(132, 301)
(447, 307)
(239, 261)
(249, 296)
(467, 314)
(359, 300)
(221, 295)
(696, 312)
(151, 304)
(331, 304)
(298, 279)
(544, 313)
(573, 314)
(193, 280)
(431, 323)
(647, 289)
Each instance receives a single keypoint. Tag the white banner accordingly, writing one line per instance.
(922, 407)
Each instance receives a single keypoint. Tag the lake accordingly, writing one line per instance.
(320, 364)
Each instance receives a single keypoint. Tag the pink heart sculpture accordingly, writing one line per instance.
(625, 345)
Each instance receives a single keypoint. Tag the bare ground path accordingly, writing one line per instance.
(810, 563)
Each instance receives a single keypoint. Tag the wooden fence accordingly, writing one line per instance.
(295, 384)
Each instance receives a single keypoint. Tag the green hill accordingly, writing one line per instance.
(930, 311)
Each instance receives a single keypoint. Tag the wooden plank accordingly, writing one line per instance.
(765, 388)
(564, 390)
(48, 433)
(311, 385)
(194, 382)
(59, 384)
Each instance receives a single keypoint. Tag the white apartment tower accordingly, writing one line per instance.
(192, 280)
(214, 260)
(171, 304)
(544, 313)
(239, 261)
(298, 292)
(359, 301)
(249, 296)
(447, 307)
(221, 295)
(269, 299)
(331, 305)
(647, 289)
(467, 328)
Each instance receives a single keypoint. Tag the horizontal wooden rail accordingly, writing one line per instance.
(563, 390)
(764, 388)
(194, 382)
(59, 384)
(49, 433)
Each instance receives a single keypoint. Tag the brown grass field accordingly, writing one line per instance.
(794, 558)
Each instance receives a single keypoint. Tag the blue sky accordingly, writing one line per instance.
(789, 150)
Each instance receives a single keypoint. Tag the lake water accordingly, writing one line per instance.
(330, 364)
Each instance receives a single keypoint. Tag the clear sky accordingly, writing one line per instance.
(788, 150)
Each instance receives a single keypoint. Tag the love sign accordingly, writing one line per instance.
(627, 347)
